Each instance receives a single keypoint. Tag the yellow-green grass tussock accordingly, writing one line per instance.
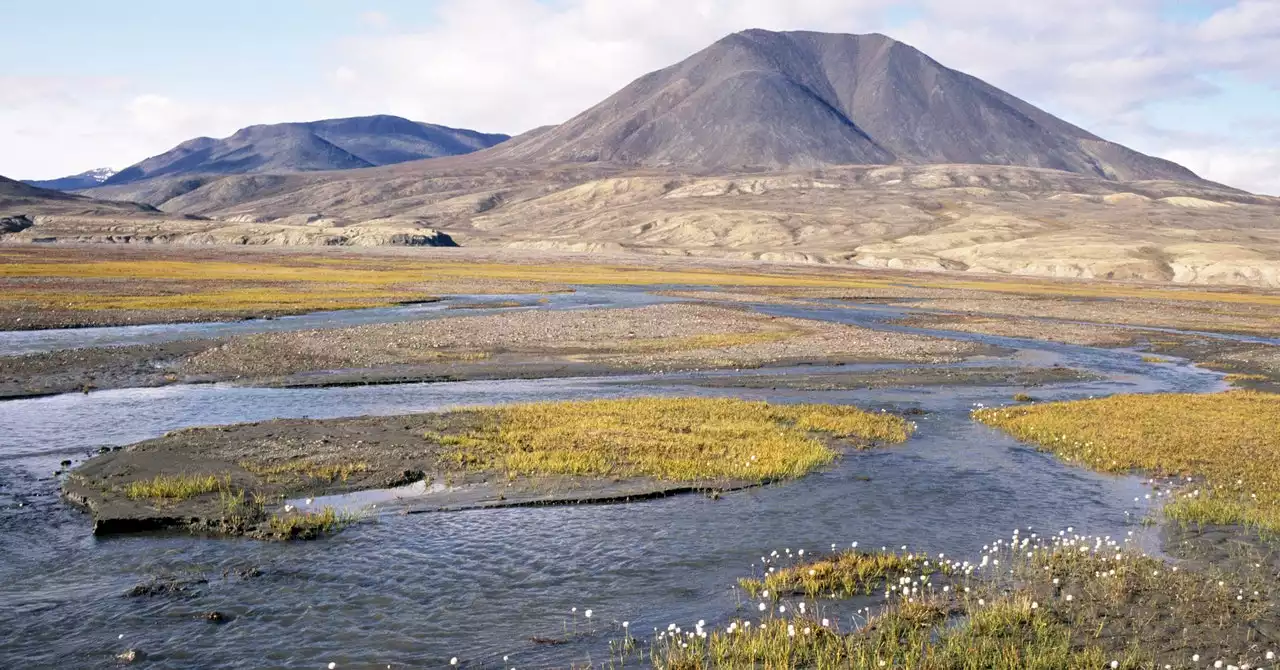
(845, 574)
(172, 487)
(674, 439)
(1229, 443)
(308, 525)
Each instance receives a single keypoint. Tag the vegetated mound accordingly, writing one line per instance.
(332, 144)
(234, 479)
(804, 99)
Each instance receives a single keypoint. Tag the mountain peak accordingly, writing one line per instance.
(329, 144)
(765, 99)
(75, 182)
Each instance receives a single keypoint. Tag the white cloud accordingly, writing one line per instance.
(1256, 170)
(375, 19)
(510, 65)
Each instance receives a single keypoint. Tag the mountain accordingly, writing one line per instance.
(22, 199)
(333, 144)
(762, 99)
(75, 182)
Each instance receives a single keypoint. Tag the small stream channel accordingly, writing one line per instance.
(416, 590)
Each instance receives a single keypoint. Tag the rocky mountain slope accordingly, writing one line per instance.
(332, 144)
(75, 182)
(804, 99)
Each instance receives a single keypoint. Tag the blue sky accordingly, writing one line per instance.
(94, 84)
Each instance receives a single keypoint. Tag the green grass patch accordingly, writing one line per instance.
(1007, 634)
(173, 487)
(309, 525)
(676, 439)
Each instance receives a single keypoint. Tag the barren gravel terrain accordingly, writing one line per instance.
(659, 337)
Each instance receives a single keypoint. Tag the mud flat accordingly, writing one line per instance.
(1252, 366)
(235, 479)
(86, 370)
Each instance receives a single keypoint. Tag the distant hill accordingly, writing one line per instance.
(805, 99)
(75, 182)
(22, 199)
(333, 144)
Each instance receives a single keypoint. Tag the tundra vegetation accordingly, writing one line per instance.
(1222, 449)
(1062, 601)
(83, 286)
(675, 439)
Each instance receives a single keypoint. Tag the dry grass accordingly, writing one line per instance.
(248, 298)
(173, 487)
(303, 282)
(1244, 377)
(326, 472)
(1229, 440)
(676, 439)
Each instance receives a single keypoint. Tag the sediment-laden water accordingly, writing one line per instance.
(416, 590)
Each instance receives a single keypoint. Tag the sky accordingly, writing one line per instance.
(91, 84)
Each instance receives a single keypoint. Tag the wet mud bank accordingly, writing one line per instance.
(1246, 364)
(86, 370)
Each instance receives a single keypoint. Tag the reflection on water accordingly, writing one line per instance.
(415, 590)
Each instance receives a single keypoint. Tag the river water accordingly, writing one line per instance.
(416, 590)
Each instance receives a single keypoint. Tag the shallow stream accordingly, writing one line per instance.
(415, 590)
